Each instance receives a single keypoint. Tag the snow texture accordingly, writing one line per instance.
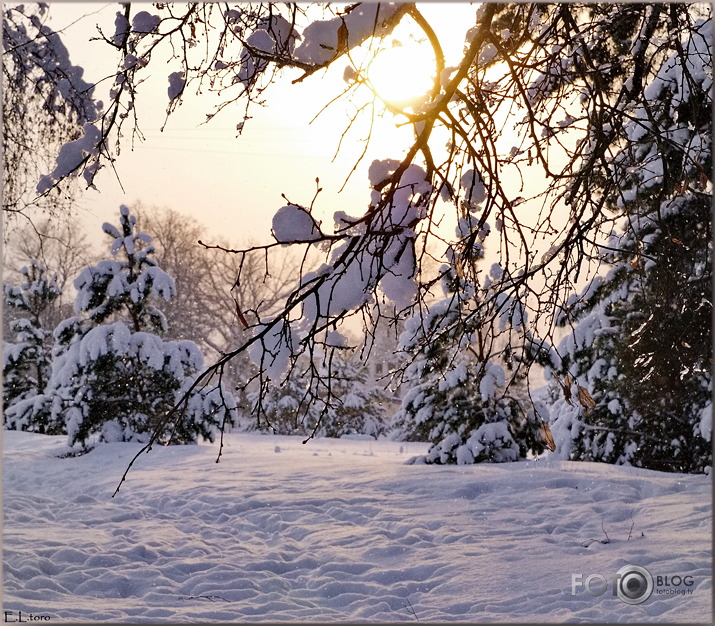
(706, 422)
(487, 54)
(473, 185)
(121, 26)
(71, 156)
(493, 379)
(340, 530)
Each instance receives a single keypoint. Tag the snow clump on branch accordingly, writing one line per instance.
(145, 22)
(177, 83)
(71, 156)
(294, 224)
(378, 251)
(324, 40)
(274, 37)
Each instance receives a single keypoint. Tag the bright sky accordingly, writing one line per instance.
(232, 185)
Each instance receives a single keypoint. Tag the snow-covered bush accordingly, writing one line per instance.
(349, 403)
(112, 378)
(27, 359)
(455, 400)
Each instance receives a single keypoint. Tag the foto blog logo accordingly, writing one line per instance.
(632, 584)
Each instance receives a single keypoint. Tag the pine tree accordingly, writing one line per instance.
(125, 288)
(456, 398)
(642, 340)
(348, 403)
(113, 379)
(27, 360)
(585, 395)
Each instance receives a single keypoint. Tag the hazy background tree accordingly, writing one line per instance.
(207, 294)
(59, 245)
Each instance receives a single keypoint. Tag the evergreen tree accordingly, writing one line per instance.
(113, 379)
(27, 361)
(457, 396)
(348, 404)
(584, 387)
(642, 339)
(125, 288)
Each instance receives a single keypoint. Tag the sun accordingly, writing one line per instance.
(402, 73)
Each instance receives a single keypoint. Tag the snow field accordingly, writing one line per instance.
(339, 530)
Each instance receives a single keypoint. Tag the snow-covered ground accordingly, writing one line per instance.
(342, 530)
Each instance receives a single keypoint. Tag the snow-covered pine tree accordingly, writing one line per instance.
(584, 385)
(349, 403)
(457, 398)
(642, 341)
(27, 359)
(125, 288)
(113, 379)
(345, 402)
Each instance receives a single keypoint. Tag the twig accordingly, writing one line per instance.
(587, 543)
(631, 529)
(604, 532)
(210, 598)
(411, 609)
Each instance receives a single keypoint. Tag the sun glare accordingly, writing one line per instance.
(402, 73)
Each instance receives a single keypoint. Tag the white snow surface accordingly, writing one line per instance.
(340, 530)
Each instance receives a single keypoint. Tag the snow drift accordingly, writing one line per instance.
(341, 530)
